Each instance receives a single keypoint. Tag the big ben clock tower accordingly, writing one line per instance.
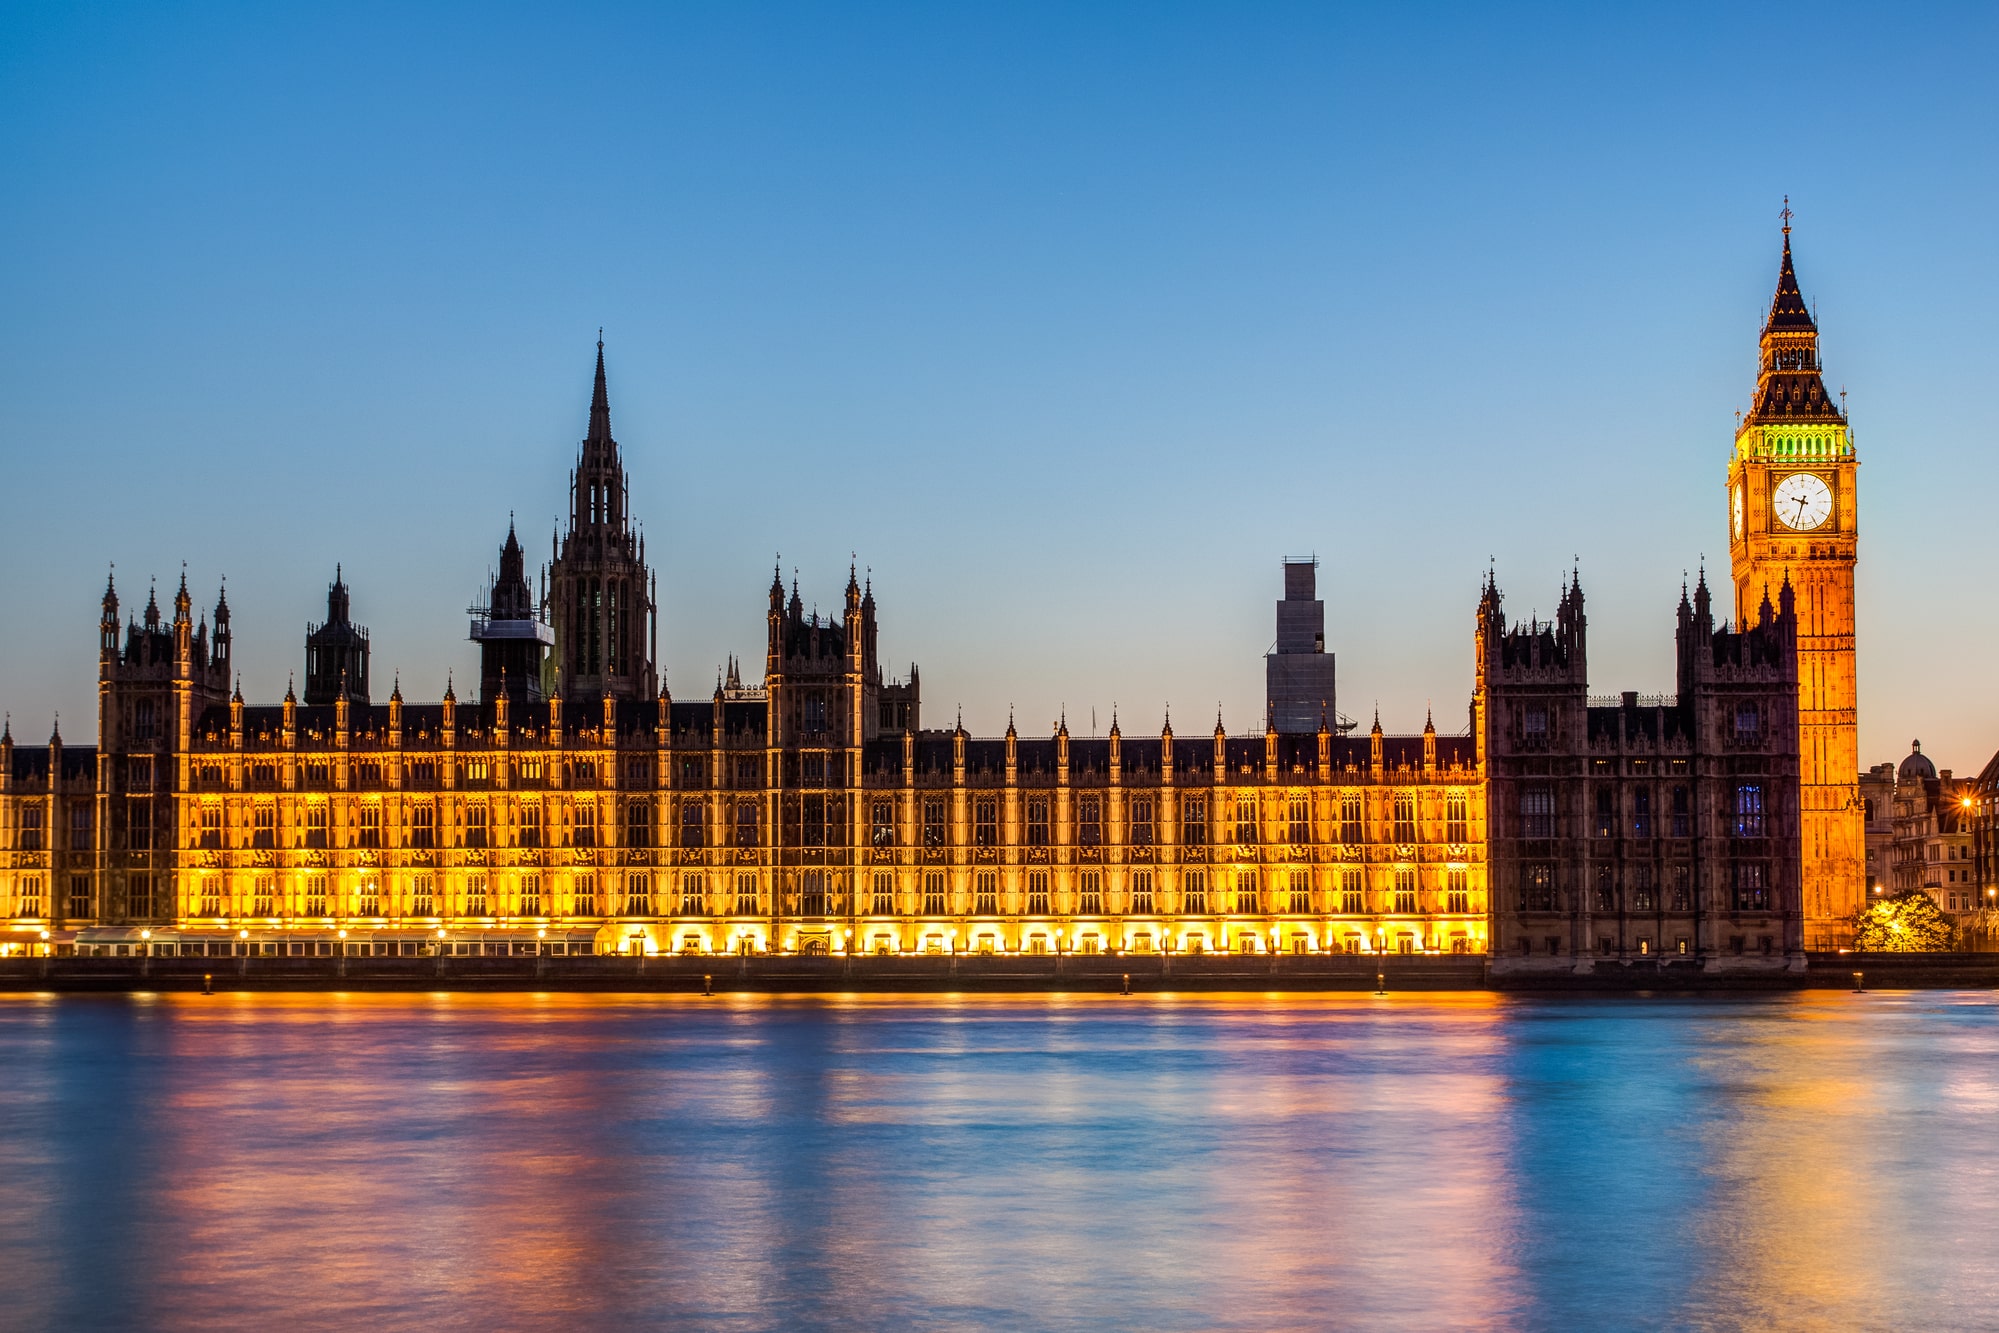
(1793, 513)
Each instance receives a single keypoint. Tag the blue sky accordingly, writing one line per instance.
(1070, 321)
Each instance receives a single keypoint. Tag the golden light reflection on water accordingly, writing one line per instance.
(1253, 1162)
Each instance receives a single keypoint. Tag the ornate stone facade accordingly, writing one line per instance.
(1625, 828)
(813, 813)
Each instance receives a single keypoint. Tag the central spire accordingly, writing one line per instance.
(600, 591)
(600, 398)
(1788, 311)
(1790, 389)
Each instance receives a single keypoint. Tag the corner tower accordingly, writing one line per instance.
(599, 590)
(1793, 515)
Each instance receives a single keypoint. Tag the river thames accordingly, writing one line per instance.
(1816, 1160)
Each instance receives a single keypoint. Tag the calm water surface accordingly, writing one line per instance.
(560, 1161)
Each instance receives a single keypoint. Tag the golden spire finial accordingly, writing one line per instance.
(1787, 215)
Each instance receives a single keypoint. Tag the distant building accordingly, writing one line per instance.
(1933, 843)
(1298, 676)
(1984, 819)
(1877, 805)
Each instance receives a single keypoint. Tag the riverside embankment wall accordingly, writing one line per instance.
(1073, 972)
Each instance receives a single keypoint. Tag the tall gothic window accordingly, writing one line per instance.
(1141, 893)
(1037, 821)
(1749, 810)
(1353, 829)
(1537, 812)
(1194, 892)
(1537, 888)
(1090, 821)
(1751, 892)
(1194, 821)
(1090, 893)
(1141, 822)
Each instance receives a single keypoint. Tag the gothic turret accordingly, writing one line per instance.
(513, 639)
(107, 625)
(336, 652)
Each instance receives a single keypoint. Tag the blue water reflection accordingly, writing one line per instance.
(562, 1161)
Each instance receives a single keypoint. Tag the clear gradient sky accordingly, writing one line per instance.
(1070, 320)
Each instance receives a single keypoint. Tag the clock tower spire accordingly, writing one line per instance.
(1793, 515)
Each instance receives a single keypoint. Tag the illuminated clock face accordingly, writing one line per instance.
(1803, 501)
(1736, 504)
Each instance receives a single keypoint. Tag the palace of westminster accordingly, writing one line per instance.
(575, 806)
